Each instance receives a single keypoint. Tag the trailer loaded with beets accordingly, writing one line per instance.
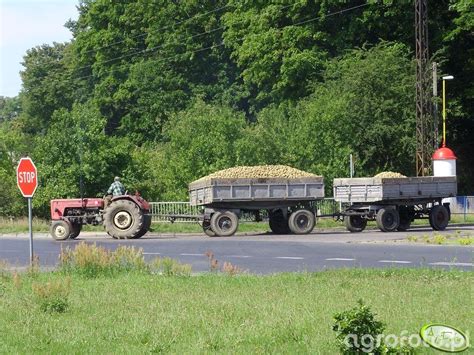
(287, 200)
(125, 217)
(394, 203)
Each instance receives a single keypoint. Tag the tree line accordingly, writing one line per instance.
(164, 92)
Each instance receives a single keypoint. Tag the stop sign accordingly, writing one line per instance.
(26, 177)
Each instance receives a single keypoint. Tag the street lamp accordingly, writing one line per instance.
(445, 77)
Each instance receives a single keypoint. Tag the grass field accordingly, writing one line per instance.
(286, 313)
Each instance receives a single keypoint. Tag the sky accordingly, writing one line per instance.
(25, 24)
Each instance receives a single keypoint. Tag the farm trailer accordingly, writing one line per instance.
(395, 202)
(288, 202)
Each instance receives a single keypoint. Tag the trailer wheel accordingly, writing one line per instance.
(278, 223)
(75, 230)
(61, 230)
(439, 218)
(404, 225)
(206, 228)
(355, 223)
(302, 221)
(224, 224)
(406, 215)
(123, 219)
(387, 219)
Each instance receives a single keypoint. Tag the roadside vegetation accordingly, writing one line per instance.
(456, 238)
(107, 302)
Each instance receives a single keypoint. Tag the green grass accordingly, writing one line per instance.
(20, 225)
(286, 313)
(456, 238)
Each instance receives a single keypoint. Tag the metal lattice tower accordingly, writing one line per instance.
(424, 120)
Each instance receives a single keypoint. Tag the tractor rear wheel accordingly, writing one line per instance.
(146, 226)
(61, 230)
(123, 219)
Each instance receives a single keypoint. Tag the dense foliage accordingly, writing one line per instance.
(163, 92)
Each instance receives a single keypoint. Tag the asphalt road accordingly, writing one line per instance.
(267, 253)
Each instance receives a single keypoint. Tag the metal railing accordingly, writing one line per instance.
(159, 210)
(461, 205)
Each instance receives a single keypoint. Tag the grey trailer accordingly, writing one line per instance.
(394, 203)
(289, 203)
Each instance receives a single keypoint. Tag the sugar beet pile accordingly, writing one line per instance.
(259, 172)
(389, 174)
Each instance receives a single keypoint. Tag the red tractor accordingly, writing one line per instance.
(125, 217)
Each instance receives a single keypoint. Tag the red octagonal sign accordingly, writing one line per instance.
(26, 177)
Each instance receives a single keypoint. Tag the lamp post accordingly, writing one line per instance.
(444, 159)
(445, 77)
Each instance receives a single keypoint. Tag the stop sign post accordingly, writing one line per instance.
(27, 181)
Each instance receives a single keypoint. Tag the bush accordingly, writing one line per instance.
(52, 297)
(358, 332)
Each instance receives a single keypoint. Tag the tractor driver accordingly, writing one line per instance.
(115, 189)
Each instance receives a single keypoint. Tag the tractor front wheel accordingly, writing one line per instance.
(123, 219)
(61, 229)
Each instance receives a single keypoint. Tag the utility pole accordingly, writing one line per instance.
(424, 122)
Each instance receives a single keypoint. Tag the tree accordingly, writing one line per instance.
(282, 47)
(365, 106)
(146, 60)
(368, 99)
(200, 140)
(10, 108)
(12, 146)
(76, 156)
(46, 85)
